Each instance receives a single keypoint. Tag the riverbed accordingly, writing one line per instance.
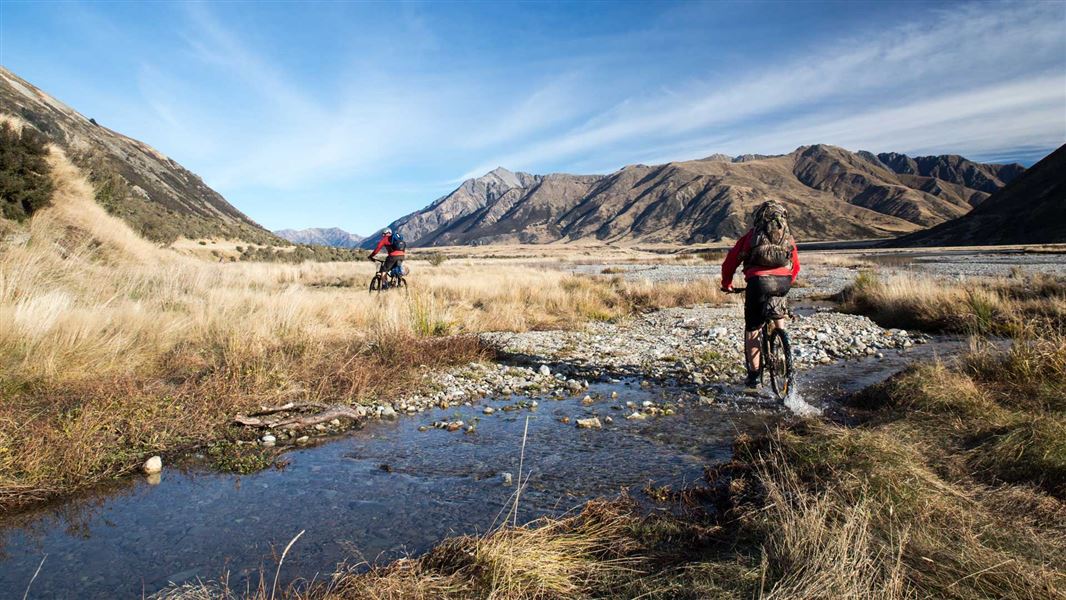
(397, 487)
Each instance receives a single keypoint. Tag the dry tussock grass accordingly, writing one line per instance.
(1001, 306)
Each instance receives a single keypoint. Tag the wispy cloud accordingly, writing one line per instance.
(888, 88)
(366, 111)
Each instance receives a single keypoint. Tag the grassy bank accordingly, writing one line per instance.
(950, 484)
(989, 306)
(114, 349)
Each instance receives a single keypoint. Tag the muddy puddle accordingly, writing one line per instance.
(389, 489)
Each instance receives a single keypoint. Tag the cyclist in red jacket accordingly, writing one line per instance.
(395, 249)
(771, 264)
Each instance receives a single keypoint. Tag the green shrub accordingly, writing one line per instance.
(436, 259)
(25, 185)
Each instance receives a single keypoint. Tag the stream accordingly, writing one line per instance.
(388, 489)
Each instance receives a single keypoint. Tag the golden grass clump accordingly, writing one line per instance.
(999, 306)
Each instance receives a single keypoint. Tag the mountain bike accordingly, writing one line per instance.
(776, 353)
(394, 278)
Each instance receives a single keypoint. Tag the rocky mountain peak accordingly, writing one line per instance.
(831, 192)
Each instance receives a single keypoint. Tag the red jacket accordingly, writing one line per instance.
(741, 248)
(386, 242)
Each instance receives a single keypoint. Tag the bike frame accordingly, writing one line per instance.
(387, 279)
(766, 357)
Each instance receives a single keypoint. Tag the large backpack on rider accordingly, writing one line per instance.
(771, 240)
(398, 243)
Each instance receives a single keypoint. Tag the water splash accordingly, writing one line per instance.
(794, 401)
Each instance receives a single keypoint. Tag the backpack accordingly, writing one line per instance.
(398, 242)
(771, 240)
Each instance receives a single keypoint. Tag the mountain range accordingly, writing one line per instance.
(153, 193)
(333, 236)
(1031, 209)
(831, 193)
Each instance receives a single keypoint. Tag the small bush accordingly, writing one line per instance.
(25, 184)
(436, 258)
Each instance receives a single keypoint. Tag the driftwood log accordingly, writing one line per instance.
(272, 416)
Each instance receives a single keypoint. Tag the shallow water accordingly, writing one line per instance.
(198, 524)
(134, 537)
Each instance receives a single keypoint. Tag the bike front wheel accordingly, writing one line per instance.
(779, 363)
(375, 284)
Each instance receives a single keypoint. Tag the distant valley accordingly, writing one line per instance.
(333, 236)
(1030, 210)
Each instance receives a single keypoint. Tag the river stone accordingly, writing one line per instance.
(269, 440)
(545, 370)
(636, 416)
(153, 465)
(506, 478)
(488, 410)
(388, 412)
(593, 423)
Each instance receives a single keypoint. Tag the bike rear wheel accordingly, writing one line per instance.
(779, 363)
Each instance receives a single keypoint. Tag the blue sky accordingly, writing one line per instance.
(353, 114)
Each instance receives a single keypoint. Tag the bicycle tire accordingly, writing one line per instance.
(779, 361)
(375, 284)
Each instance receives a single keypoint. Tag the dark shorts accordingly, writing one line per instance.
(760, 291)
(390, 262)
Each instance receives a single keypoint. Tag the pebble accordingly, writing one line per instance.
(488, 410)
(506, 478)
(636, 416)
(593, 423)
(269, 440)
(153, 465)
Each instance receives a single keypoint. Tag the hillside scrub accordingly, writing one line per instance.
(114, 349)
(25, 185)
(914, 501)
(1007, 306)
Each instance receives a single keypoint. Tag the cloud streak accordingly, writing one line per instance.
(884, 90)
(352, 114)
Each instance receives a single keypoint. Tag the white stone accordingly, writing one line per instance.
(153, 465)
(593, 423)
